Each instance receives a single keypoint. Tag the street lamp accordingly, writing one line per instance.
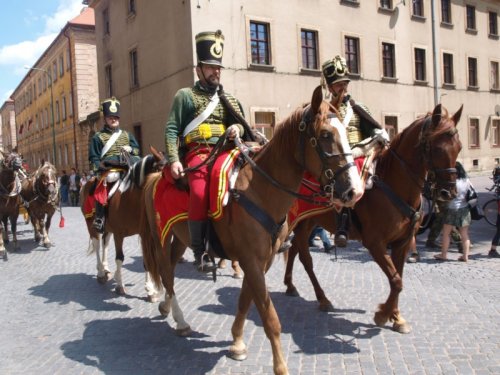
(49, 80)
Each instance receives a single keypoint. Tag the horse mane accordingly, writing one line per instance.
(46, 165)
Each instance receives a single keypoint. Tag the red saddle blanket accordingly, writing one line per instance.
(171, 204)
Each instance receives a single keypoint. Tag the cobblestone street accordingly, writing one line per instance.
(56, 319)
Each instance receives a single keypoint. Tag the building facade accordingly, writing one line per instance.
(8, 136)
(403, 60)
(55, 97)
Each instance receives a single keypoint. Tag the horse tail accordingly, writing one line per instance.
(148, 233)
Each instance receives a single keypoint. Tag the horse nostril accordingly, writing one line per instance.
(445, 194)
(348, 195)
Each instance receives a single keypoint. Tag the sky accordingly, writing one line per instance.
(27, 29)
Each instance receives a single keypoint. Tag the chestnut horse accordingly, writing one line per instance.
(122, 220)
(10, 187)
(305, 141)
(41, 198)
(387, 215)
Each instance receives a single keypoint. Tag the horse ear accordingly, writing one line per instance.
(42, 162)
(457, 115)
(436, 115)
(316, 100)
(156, 154)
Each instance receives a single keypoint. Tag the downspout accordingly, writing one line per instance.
(72, 98)
(434, 54)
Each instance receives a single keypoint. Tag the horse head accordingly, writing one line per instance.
(326, 151)
(46, 182)
(12, 161)
(441, 146)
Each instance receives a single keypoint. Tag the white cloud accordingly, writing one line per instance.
(66, 10)
(6, 96)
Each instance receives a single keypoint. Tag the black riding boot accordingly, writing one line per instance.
(100, 212)
(197, 234)
(342, 223)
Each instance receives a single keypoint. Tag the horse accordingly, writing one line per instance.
(387, 215)
(122, 220)
(305, 141)
(10, 186)
(40, 196)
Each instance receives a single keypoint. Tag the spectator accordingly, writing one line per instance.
(323, 235)
(63, 188)
(496, 239)
(74, 187)
(457, 214)
(83, 180)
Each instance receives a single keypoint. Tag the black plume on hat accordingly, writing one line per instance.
(335, 70)
(209, 47)
(110, 107)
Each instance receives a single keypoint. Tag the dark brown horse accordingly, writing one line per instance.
(305, 141)
(10, 187)
(122, 220)
(41, 198)
(385, 215)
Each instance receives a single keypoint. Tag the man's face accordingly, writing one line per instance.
(339, 87)
(112, 121)
(209, 75)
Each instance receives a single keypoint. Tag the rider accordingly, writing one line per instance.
(363, 132)
(107, 145)
(196, 122)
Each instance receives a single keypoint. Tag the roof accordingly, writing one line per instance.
(86, 17)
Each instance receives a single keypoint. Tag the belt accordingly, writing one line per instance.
(204, 131)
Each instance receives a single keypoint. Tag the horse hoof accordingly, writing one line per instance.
(401, 328)
(184, 332)
(292, 292)
(120, 290)
(326, 307)
(102, 279)
(47, 245)
(380, 319)
(238, 276)
(153, 298)
(222, 264)
(238, 355)
(163, 311)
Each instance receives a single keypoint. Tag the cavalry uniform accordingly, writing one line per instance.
(106, 146)
(197, 120)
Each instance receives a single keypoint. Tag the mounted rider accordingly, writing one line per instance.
(106, 149)
(200, 115)
(363, 132)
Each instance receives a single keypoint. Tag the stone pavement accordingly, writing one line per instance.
(56, 319)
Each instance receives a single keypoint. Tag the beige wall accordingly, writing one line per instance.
(164, 38)
(8, 126)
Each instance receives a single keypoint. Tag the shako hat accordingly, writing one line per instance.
(335, 70)
(209, 47)
(110, 107)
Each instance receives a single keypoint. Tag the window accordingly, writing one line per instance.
(70, 108)
(40, 86)
(309, 44)
(66, 154)
(58, 112)
(471, 17)
(138, 136)
(473, 132)
(420, 67)
(49, 78)
(352, 54)
(54, 66)
(264, 122)
(388, 60)
(134, 70)
(448, 68)
(495, 132)
(446, 11)
(386, 4)
(391, 126)
(492, 24)
(63, 104)
(494, 78)
(61, 66)
(44, 79)
(105, 21)
(108, 77)
(418, 8)
(259, 43)
(472, 71)
(131, 6)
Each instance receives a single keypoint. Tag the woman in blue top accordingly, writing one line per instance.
(457, 215)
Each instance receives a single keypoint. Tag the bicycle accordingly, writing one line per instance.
(490, 208)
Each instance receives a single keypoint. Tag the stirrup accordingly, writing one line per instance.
(340, 238)
(202, 265)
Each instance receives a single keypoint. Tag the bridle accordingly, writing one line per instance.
(306, 130)
(12, 163)
(42, 187)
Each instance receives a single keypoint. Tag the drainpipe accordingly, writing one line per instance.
(73, 101)
(435, 56)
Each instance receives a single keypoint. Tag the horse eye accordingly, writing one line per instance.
(325, 135)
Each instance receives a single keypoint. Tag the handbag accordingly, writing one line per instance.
(471, 194)
(476, 212)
